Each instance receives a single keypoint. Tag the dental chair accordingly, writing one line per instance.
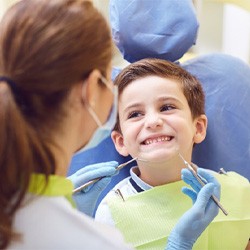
(166, 29)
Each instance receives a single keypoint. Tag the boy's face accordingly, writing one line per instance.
(156, 121)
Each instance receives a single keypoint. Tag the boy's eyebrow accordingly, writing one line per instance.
(134, 105)
(168, 98)
(162, 98)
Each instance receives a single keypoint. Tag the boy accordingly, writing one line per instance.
(162, 116)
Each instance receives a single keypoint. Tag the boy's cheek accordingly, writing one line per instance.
(122, 150)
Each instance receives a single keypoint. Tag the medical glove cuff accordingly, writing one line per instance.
(175, 242)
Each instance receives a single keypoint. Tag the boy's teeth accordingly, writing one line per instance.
(159, 139)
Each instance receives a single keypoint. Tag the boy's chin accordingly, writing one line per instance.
(159, 156)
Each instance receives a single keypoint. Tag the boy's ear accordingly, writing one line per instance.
(201, 129)
(119, 143)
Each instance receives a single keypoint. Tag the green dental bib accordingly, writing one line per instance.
(147, 218)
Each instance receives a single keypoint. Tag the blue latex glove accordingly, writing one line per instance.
(86, 199)
(196, 219)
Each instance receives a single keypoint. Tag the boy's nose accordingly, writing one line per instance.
(153, 121)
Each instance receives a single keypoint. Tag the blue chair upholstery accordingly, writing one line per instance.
(226, 82)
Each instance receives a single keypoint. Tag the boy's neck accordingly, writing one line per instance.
(156, 174)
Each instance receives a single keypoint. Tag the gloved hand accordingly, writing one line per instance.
(196, 219)
(86, 199)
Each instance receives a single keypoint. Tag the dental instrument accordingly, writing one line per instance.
(99, 178)
(200, 180)
(118, 192)
(222, 171)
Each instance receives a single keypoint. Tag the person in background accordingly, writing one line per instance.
(55, 97)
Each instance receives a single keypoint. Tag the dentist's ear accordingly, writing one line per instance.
(91, 89)
(201, 129)
(117, 139)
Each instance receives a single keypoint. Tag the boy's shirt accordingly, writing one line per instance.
(134, 212)
(103, 213)
(127, 187)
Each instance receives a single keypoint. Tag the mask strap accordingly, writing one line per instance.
(88, 106)
(94, 115)
(105, 81)
(90, 109)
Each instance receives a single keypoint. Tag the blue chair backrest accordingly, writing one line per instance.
(226, 82)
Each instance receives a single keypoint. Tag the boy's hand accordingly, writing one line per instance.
(196, 219)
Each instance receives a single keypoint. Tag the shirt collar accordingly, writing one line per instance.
(134, 172)
(56, 185)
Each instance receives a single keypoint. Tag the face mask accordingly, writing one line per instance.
(103, 131)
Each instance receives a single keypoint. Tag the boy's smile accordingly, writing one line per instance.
(157, 139)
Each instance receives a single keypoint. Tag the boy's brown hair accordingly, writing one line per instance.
(192, 88)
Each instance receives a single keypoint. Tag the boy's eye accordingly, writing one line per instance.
(167, 107)
(134, 114)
